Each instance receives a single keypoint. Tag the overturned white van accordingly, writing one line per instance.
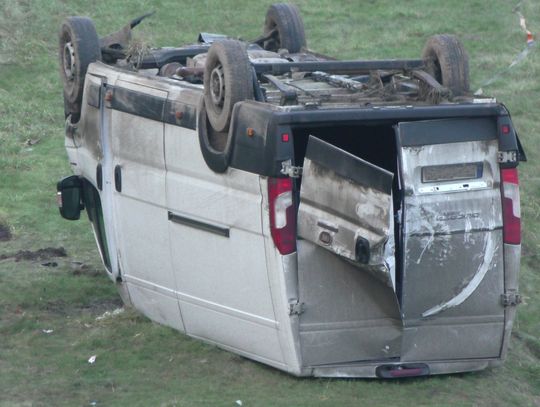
(327, 218)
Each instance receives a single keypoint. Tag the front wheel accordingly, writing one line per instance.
(78, 48)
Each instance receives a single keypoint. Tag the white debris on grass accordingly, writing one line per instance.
(92, 359)
(109, 314)
(47, 331)
(239, 402)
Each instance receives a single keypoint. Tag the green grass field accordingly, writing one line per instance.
(140, 363)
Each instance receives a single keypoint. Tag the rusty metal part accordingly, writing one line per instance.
(121, 38)
(338, 80)
(265, 37)
(217, 85)
(303, 57)
(185, 71)
(430, 89)
(169, 69)
(322, 57)
(209, 38)
(288, 95)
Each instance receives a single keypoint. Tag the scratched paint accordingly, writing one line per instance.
(489, 251)
(343, 211)
(442, 229)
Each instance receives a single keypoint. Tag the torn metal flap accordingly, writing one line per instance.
(346, 208)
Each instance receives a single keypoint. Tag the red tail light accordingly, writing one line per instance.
(511, 206)
(282, 214)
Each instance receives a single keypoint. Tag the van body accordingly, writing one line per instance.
(341, 239)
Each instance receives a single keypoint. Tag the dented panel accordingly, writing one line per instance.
(453, 271)
(346, 208)
(348, 315)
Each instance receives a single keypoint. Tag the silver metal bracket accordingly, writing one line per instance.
(296, 308)
(510, 299)
(288, 169)
(71, 129)
(507, 156)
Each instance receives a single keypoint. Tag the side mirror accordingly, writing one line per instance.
(68, 197)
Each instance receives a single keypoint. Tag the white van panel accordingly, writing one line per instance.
(231, 331)
(155, 305)
(149, 259)
(221, 279)
(140, 210)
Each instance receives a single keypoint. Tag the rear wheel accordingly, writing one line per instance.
(227, 80)
(285, 28)
(446, 60)
(78, 48)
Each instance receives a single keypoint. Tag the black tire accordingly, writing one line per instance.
(286, 20)
(227, 80)
(447, 61)
(215, 146)
(78, 48)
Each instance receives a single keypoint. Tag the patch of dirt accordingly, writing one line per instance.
(529, 342)
(5, 233)
(78, 268)
(100, 306)
(40, 254)
(94, 307)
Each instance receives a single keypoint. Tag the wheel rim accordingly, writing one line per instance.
(69, 61)
(217, 86)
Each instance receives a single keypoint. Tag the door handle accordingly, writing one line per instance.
(118, 178)
(99, 177)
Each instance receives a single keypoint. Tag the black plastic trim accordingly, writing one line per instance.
(99, 176)
(153, 107)
(93, 96)
(207, 227)
(521, 151)
(349, 166)
(265, 152)
(429, 132)
(329, 117)
(118, 178)
(180, 114)
(137, 103)
(94, 211)
(344, 67)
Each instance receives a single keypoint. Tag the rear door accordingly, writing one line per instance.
(452, 239)
(346, 259)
